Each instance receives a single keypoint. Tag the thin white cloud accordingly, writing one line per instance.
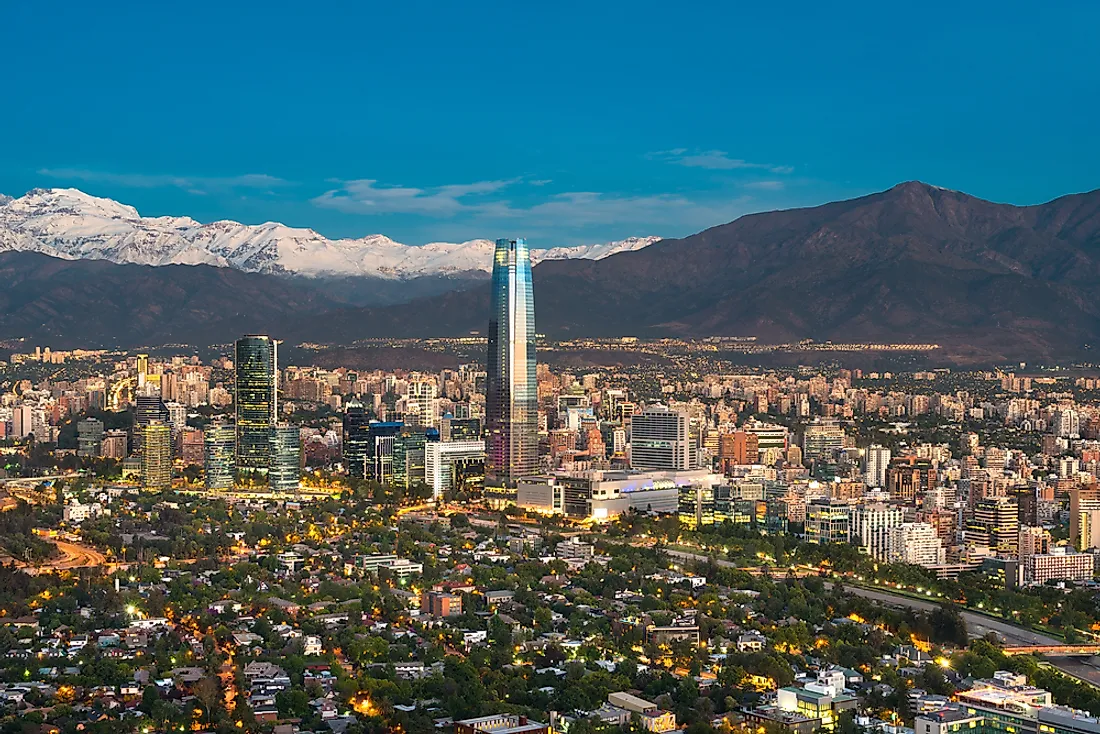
(366, 196)
(477, 208)
(191, 184)
(579, 209)
(765, 185)
(715, 160)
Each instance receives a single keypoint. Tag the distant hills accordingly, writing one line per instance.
(915, 263)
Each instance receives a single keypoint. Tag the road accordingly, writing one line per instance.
(73, 556)
(978, 625)
(76, 556)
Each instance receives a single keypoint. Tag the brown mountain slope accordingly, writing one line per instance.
(72, 303)
(911, 264)
(915, 263)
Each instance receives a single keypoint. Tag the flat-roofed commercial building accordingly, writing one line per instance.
(603, 495)
(501, 724)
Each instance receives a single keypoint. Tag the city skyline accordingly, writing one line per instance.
(803, 437)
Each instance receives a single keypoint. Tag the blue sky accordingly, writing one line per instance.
(565, 122)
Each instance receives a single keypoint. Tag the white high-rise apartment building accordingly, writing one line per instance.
(871, 526)
(660, 438)
(1067, 423)
(875, 460)
(916, 543)
(421, 400)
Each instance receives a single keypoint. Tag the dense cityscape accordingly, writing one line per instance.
(239, 542)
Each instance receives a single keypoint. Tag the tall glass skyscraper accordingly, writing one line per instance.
(357, 438)
(286, 459)
(511, 388)
(156, 456)
(219, 460)
(256, 399)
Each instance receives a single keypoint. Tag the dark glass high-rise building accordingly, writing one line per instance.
(381, 435)
(511, 388)
(357, 438)
(149, 409)
(256, 400)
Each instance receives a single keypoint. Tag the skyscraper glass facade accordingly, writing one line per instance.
(219, 455)
(156, 456)
(511, 387)
(357, 438)
(286, 459)
(256, 400)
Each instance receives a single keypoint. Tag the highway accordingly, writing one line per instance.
(978, 625)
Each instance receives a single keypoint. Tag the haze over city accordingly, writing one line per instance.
(510, 369)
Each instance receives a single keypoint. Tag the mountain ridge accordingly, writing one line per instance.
(71, 224)
(913, 264)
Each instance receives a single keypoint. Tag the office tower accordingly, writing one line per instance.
(408, 457)
(822, 439)
(458, 465)
(794, 456)
(696, 504)
(285, 468)
(511, 387)
(828, 521)
(738, 449)
(909, 478)
(156, 456)
(220, 455)
(460, 429)
(89, 438)
(257, 382)
(871, 525)
(660, 439)
(594, 444)
(149, 409)
(1027, 500)
(380, 439)
(876, 460)
(996, 524)
(356, 439)
(768, 436)
(422, 403)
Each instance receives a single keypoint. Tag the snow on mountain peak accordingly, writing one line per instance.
(71, 224)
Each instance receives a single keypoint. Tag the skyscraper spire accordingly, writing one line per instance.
(511, 390)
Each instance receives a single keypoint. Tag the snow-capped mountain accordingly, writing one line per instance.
(70, 224)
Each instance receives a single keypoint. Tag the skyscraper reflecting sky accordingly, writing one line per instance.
(511, 389)
(256, 400)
